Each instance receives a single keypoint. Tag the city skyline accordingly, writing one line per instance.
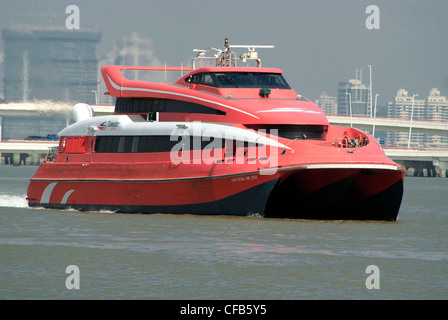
(434, 105)
(405, 105)
(25, 47)
(132, 51)
(50, 64)
(316, 43)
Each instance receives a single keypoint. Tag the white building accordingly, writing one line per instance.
(327, 104)
(437, 110)
(406, 106)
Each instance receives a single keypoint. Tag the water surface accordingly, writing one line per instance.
(162, 256)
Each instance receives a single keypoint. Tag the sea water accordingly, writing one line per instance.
(65, 254)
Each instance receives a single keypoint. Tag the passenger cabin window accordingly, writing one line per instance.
(150, 144)
(132, 144)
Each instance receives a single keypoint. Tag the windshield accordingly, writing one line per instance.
(242, 80)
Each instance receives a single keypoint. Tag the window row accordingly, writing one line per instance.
(145, 105)
(140, 144)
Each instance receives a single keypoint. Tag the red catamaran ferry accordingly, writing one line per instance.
(224, 140)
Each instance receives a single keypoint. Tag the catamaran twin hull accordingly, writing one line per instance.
(322, 191)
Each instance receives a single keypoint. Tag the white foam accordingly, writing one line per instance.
(14, 201)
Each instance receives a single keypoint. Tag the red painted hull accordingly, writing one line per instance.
(200, 195)
(296, 192)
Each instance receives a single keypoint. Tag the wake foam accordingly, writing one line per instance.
(14, 201)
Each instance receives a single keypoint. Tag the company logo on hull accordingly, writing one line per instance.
(113, 125)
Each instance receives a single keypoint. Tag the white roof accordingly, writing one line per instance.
(126, 125)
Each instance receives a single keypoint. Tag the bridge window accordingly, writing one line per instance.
(250, 80)
(202, 78)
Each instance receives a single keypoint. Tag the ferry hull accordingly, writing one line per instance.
(353, 193)
(240, 195)
(348, 194)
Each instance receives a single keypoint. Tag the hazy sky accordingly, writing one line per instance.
(318, 42)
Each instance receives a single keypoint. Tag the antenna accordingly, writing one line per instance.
(201, 53)
(251, 54)
(251, 46)
(227, 58)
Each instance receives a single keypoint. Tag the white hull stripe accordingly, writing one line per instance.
(289, 110)
(177, 94)
(47, 193)
(352, 166)
(66, 195)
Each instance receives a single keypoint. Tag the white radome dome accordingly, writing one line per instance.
(82, 111)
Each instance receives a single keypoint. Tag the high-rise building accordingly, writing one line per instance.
(50, 63)
(437, 105)
(354, 97)
(405, 106)
(47, 64)
(437, 109)
(327, 104)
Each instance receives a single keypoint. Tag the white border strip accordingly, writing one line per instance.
(352, 166)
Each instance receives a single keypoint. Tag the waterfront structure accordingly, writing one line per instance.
(407, 106)
(47, 64)
(354, 97)
(50, 63)
(327, 104)
(437, 109)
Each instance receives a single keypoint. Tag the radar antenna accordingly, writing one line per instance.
(228, 58)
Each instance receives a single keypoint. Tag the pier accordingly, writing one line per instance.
(22, 152)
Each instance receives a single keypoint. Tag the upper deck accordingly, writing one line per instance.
(221, 93)
(239, 82)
